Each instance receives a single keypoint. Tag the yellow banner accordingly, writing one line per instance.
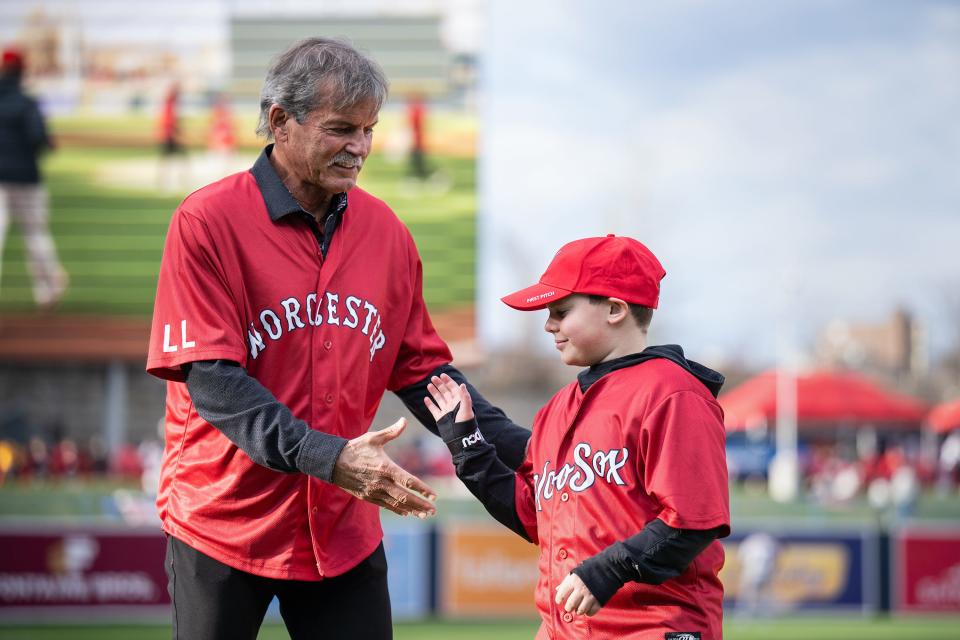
(802, 572)
(487, 570)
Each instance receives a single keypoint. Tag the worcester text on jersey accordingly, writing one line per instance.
(318, 309)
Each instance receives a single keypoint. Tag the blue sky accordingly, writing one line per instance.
(788, 159)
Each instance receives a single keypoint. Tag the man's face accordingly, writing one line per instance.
(328, 149)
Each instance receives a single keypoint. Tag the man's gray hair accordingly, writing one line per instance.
(320, 72)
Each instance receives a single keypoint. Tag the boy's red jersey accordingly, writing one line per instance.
(643, 442)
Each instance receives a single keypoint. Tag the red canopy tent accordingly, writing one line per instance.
(945, 417)
(824, 398)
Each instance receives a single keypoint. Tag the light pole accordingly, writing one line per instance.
(784, 473)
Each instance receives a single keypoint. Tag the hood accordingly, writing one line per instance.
(712, 380)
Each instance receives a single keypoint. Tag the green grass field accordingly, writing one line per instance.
(109, 222)
(813, 628)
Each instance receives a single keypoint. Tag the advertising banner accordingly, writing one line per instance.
(927, 570)
(69, 569)
(486, 570)
(777, 572)
(410, 562)
(410, 568)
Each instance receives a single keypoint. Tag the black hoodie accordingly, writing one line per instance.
(711, 379)
(23, 134)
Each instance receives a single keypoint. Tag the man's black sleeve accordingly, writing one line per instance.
(509, 439)
(482, 471)
(656, 554)
(227, 397)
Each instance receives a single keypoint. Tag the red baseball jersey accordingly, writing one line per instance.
(327, 336)
(643, 442)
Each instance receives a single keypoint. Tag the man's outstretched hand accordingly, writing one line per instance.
(366, 471)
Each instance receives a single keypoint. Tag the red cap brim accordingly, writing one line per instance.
(535, 297)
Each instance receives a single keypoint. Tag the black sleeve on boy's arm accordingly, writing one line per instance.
(508, 438)
(482, 471)
(656, 554)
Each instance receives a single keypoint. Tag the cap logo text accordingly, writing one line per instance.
(548, 294)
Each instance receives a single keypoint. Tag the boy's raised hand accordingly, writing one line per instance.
(448, 396)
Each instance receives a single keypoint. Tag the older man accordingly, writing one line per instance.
(288, 302)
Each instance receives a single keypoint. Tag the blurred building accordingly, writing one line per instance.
(895, 348)
(42, 43)
(407, 46)
(109, 57)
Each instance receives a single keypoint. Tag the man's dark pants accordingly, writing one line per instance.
(213, 601)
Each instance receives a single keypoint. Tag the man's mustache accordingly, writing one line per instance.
(347, 160)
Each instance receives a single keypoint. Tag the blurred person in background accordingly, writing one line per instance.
(948, 477)
(221, 138)
(99, 457)
(288, 302)
(420, 169)
(64, 459)
(38, 458)
(151, 456)
(757, 555)
(887, 459)
(23, 138)
(125, 463)
(416, 114)
(173, 171)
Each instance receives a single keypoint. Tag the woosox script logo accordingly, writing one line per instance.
(586, 468)
(318, 309)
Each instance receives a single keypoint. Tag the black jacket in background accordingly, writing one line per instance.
(23, 134)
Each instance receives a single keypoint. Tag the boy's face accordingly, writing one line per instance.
(580, 330)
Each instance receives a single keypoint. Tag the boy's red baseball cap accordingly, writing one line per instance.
(611, 266)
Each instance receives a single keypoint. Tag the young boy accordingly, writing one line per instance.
(624, 485)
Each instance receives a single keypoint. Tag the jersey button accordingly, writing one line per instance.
(328, 345)
(314, 509)
(562, 554)
(567, 617)
(564, 496)
(329, 398)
